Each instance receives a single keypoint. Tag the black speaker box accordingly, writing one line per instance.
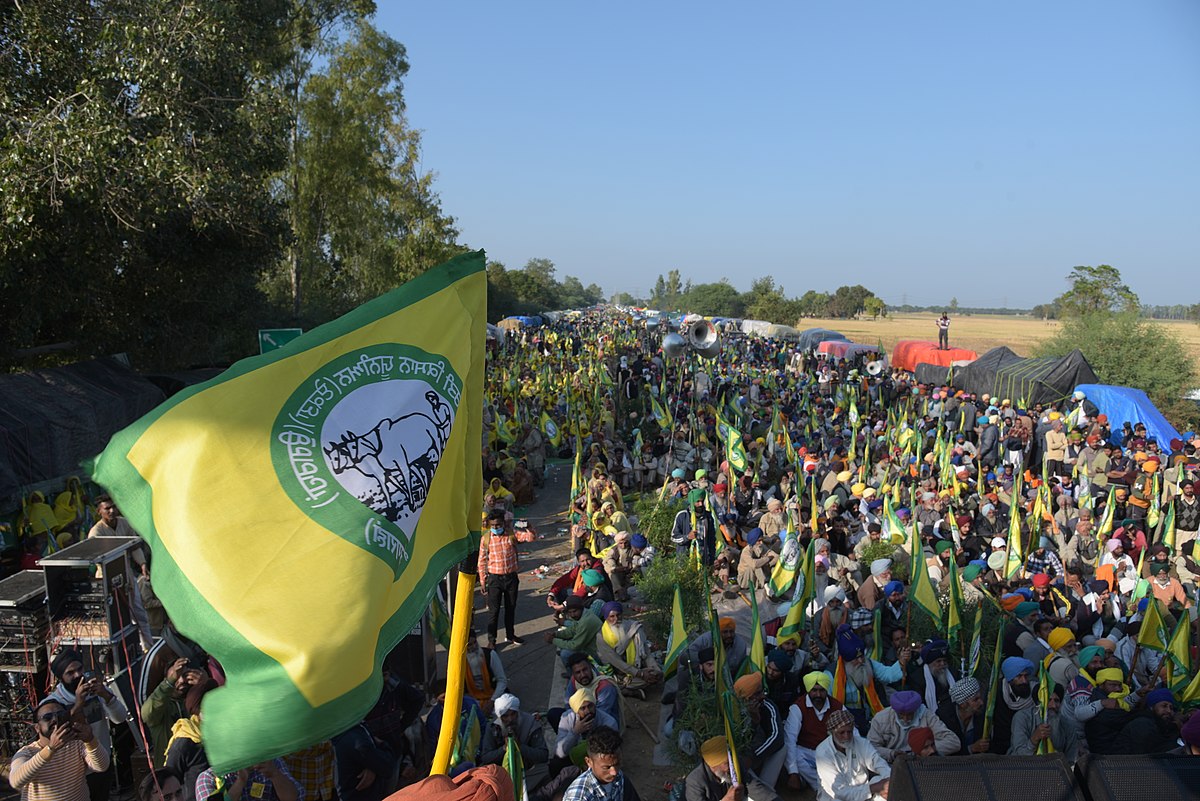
(1161, 777)
(985, 777)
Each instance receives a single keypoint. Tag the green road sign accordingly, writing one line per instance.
(272, 338)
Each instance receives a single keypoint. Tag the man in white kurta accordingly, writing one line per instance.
(849, 767)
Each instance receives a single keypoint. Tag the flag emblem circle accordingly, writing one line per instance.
(368, 429)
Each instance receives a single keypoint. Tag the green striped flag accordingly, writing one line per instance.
(439, 621)
(661, 415)
(757, 660)
(677, 642)
(954, 611)
(516, 769)
(1179, 652)
(1168, 527)
(921, 590)
(1016, 548)
(1153, 633)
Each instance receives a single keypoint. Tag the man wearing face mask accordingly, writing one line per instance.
(52, 768)
(499, 578)
(89, 701)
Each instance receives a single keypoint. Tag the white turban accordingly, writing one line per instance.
(834, 591)
(507, 703)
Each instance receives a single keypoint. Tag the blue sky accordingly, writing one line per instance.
(923, 149)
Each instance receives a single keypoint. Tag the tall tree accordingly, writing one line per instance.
(365, 216)
(1096, 289)
(136, 139)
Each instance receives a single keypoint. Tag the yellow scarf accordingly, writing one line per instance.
(188, 728)
(612, 637)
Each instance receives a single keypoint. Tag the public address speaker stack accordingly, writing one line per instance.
(984, 777)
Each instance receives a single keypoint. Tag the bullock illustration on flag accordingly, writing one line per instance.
(346, 466)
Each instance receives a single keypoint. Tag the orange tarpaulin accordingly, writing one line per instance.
(834, 347)
(908, 353)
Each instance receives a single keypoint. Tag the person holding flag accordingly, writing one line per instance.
(716, 777)
(512, 727)
(1041, 728)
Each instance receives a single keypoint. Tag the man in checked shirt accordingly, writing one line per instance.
(498, 577)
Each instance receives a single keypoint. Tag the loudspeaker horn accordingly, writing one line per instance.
(875, 367)
(702, 337)
(673, 345)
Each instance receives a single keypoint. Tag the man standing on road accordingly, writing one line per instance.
(499, 578)
(943, 326)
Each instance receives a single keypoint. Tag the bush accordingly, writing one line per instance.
(885, 550)
(655, 519)
(701, 720)
(657, 587)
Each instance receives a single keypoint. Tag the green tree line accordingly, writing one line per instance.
(765, 300)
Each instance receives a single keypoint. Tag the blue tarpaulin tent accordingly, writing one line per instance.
(1122, 404)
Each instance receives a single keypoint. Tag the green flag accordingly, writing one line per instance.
(1016, 548)
(954, 611)
(920, 589)
(757, 660)
(783, 575)
(1179, 652)
(349, 458)
(516, 769)
(1153, 633)
(793, 623)
(677, 641)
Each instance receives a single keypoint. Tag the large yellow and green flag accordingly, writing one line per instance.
(303, 505)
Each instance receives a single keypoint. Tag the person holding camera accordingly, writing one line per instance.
(53, 768)
(91, 703)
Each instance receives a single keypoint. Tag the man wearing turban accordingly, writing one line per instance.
(857, 677)
(1029, 730)
(890, 728)
(1019, 677)
(510, 721)
(577, 722)
(935, 678)
(805, 728)
(848, 766)
(963, 714)
(766, 753)
(712, 779)
(736, 647)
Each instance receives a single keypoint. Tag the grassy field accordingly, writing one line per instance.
(977, 332)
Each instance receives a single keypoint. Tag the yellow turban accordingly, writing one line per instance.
(817, 677)
(1060, 637)
(748, 685)
(582, 696)
(715, 752)
(1110, 674)
(858, 489)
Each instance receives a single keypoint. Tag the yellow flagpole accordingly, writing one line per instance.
(460, 626)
